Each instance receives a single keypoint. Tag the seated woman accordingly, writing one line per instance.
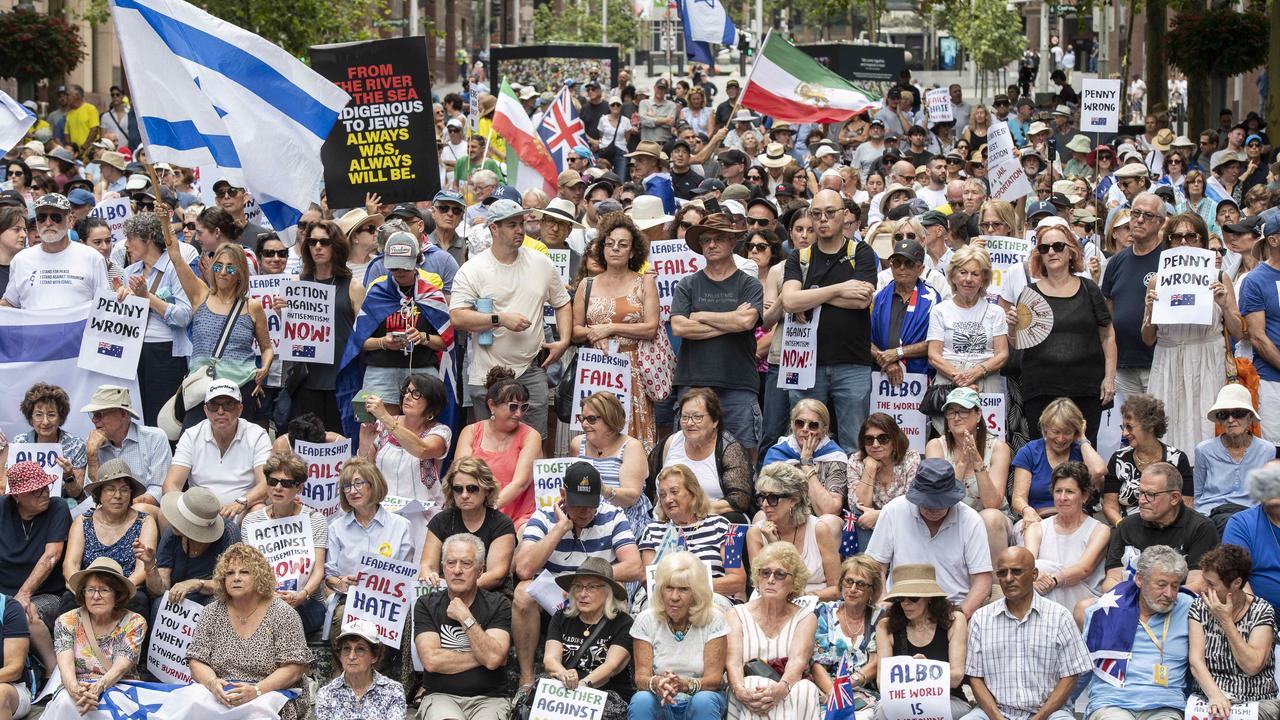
(679, 644)
(684, 513)
(819, 457)
(782, 493)
(1063, 428)
(364, 527)
(98, 643)
(182, 564)
(1231, 635)
(360, 692)
(249, 642)
(470, 493)
(1142, 424)
(504, 442)
(113, 529)
(1070, 550)
(619, 457)
(921, 621)
(409, 448)
(981, 461)
(286, 474)
(45, 408)
(720, 463)
(879, 471)
(773, 629)
(847, 628)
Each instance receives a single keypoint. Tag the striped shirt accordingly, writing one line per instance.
(608, 533)
(704, 538)
(1231, 680)
(146, 451)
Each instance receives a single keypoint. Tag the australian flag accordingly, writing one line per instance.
(561, 129)
(304, 351)
(106, 348)
(1182, 300)
(1110, 632)
(793, 378)
(849, 536)
(840, 702)
(734, 542)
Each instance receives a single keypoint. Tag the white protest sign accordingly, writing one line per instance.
(422, 589)
(1182, 286)
(993, 412)
(307, 335)
(553, 701)
(1099, 105)
(939, 103)
(113, 336)
(902, 403)
(175, 625)
(45, 455)
(798, 366)
(913, 689)
(253, 213)
(544, 591)
(265, 289)
(114, 212)
(1198, 709)
(560, 259)
(599, 371)
(324, 463)
(1004, 169)
(548, 478)
(288, 545)
(1007, 255)
(1109, 439)
(671, 261)
(382, 594)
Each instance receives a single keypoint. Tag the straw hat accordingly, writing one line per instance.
(775, 156)
(914, 581)
(1163, 140)
(194, 512)
(110, 571)
(355, 218)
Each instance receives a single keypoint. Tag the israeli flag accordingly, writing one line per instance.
(209, 93)
(15, 121)
(705, 22)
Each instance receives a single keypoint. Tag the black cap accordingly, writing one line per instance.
(12, 198)
(708, 185)
(680, 143)
(582, 485)
(729, 157)
(407, 210)
(1251, 225)
(1002, 98)
(909, 249)
(934, 217)
(1059, 200)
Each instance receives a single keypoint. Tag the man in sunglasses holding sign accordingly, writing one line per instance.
(56, 273)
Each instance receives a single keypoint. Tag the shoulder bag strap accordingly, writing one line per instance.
(87, 626)
(226, 329)
(572, 662)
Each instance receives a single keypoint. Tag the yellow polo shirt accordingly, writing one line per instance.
(80, 121)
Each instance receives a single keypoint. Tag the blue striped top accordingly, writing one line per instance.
(607, 533)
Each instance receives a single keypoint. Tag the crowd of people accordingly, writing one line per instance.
(721, 546)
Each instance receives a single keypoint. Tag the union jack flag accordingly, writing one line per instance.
(734, 542)
(561, 130)
(849, 536)
(840, 702)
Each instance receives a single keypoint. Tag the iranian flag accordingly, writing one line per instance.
(529, 165)
(786, 84)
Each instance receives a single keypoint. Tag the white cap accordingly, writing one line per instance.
(222, 388)
(361, 629)
(1053, 220)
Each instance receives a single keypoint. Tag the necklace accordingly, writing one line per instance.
(243, 619)
(27, 526)
(1137, 458)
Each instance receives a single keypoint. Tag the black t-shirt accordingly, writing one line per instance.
(15, 624)
(1125, 285)
(1070, 361)
(571, 631)
(683, 184)
(169, 554)
(22, 544)
(492, 612)
(917, 158)
(724, 361)
(723, 112)
(844, 336)
(449, 522)
(1192, 535)
(422, 356)
(590, 116)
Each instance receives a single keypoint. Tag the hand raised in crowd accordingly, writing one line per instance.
(144, 554)
(138, 284)
(375, 407)
(371, 203)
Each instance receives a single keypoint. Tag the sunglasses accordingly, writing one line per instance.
(226, 193)
(227, 268)
(50, 217)
(282, 254)
(371, 229)
(16, 173)
(514, 407)
(221, 405)
(305, 226)
(468, 489)
(1057, 247)
(992, 225)
(448, 210)
(190, 226)
(1223, 415)
(289, 483)
(1188, 238)
(588, 419)
(779, 575)
(762, 222)
(146, 207)
(901, 262)
(758, 246)
(876, 440)
(770, 499)
(810, 425)
(954, 161)
(899, 237)
(318, 241)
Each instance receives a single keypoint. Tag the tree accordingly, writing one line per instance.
(44, 46)
(1216, 44)
(579, 22)
(990, 33)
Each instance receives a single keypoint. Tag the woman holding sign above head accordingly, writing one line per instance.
(112, 529)
(1185, 351)
(506, 444)
(619, 457)
(470, 496)
(286, 474)
(45, 408)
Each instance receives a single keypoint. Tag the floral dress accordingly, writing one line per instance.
(124, 640)
(831, 645)
(628, 309)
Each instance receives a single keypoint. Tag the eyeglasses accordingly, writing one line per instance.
(588, 419)
(957, 413)
(855, 583)
(55, 218)
(588, 587)
(515, 407)
(618, 244)
(770, 499)
(1057, 247)
(760, 222)
(1224, 415)
(412, 393)
(226, 193)
(1188, 238)
(899, 237)
(810, 425)
(1147, 495)
(770, 574)
(823, 214)
(276, 253)
(876, 439)
(117, 490)
(371, 229)
(992, 225)
(99, 591)
(449, 209)
(221, 405)
(287, 482)
(355, 485)
(692, 419)
(1143, 215)
(227, 268)
(1010, 572)
(318, 241)
(468, 489)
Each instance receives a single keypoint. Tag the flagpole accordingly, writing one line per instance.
(738, 103)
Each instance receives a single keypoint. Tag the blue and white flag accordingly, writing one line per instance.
(209, 93)
(15, 120)
(135, 700)
(706, 22)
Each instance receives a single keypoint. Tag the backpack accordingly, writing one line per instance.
(807, 253)
(30, 677)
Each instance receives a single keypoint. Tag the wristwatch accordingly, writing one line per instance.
(494, 320)
(243, 500)
(899, 352)
(468, 623)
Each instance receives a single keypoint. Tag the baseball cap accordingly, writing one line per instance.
(736, 191)
(1251, 225)
(448, 196)
(729, 157)
(1270, 222)
(1223, 157)
(400, 252)
(81, 197)
(909, 249)
(503, 192)
(582, 485)
(54, 200)
(222, 388)
(454, 123)
(569, 178)
(12, 198)
(504, 209)
(407, 211)
(933, 217)
(1001, 98)
(708, 185)
(1041, 207)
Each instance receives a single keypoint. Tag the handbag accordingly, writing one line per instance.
(192, 389)
(564, 388)
(935, 398)
(760, 668)
(657, 364)
(1240, 371)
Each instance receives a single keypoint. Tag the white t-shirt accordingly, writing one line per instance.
(40, 280)
(704, 469)
(958, 550)
(935, 198)
(605, 126)
(227, 475)
(967, 334)
(522, 287)
(682, 657)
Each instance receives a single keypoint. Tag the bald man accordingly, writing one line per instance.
(1024, 650)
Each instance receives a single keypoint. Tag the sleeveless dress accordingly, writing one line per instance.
(628, 309)
(1058, 550)
(641, 513)
(799, 704)
(325, 377)
(812, 557)
(121, 550)
(1184, 351)
(503, 466)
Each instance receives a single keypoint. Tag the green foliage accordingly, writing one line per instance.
(579, 22)
(989, 32)
(39, 45)
(1218, 41)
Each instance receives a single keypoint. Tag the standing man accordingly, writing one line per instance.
(838, 276)
(233, 199)
(959, 108)
(935, 190)
(658, 115)
(511, 283)
(724, 110)
(868, 154)
(715, 311)
(1260, 305)
(82, 119)
(1125, 288)
(57, 273)
(446, 210)
(593, 109)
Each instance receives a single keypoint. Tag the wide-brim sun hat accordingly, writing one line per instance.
(109, 570)
(1233, 397)
(594, 567)
(935, 485)
(194, 512)
(915, 581)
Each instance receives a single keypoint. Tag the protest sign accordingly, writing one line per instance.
(422, 589)
(553, 701)
(114, 212)
(1004, 169)
(798, 366)
(324, 463)
(939, 104)
(112, 339)
(382, 594)
(601, 372)
(913, 689)
(45, 455)
(265, 289)
(385, 139)
(548, 478)
(1099, 105)
(174, 627)
(307, 335)
(288, 545)
(993, 412)
(1182, 285)
(671, 261)
(560, 259)
(1007, 254)
(1198, 709)
(902, 403)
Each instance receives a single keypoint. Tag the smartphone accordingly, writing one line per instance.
(398, 336)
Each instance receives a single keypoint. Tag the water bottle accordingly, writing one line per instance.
(485, 305)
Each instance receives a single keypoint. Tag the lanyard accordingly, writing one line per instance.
(1164, 634)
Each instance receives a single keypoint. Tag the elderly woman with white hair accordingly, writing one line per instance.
(1222, 463)
(782, 492)
(1256, 529)
(673, 680)
(968, 336)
